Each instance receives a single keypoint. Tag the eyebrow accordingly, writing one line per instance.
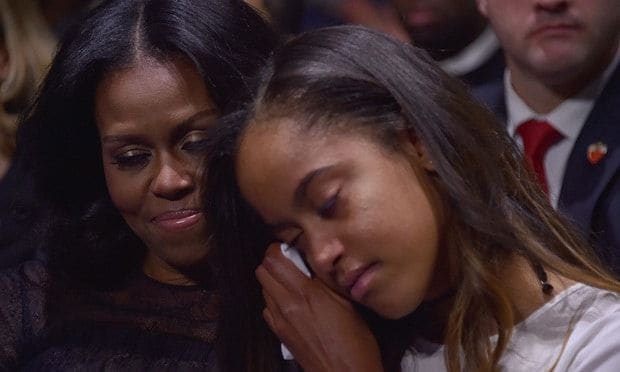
(177, 132)
(180, 130)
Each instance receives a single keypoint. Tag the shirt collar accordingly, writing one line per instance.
(473, 56)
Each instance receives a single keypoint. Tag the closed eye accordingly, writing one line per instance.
(132, 159)
(195, 142)
(328, 208)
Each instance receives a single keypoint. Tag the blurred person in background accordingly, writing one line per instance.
(284, 15)
(377, 14)
(26, 49)
(453, 31)
(458, 37)
(559, 99)
(60, 14)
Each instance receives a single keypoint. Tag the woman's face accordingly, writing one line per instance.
(151, 117)
(366, 219)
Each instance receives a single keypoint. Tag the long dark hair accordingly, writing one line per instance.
(87, 240)
(351, 79)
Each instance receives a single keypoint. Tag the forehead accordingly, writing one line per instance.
(291, 140)
(150, 91)
(149, 79)
(278, 147)
(453, 4)
(274, 158)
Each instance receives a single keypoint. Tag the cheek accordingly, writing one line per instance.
(124, 191)
(415, 221)
(507, 28)
(603, 22)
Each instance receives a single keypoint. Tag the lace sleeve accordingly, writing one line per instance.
(21, 310)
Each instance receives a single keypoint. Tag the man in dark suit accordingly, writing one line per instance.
(457, 36)
(561, 102)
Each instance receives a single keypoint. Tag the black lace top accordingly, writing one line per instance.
(146, 325)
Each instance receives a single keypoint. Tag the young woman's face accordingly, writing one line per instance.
(151, 117)
(366, 219)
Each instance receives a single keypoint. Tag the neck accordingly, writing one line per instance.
(161, 271)
(522, 287)
(525, 290)
(543, 94)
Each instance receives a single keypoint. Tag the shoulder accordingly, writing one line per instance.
(22, 297)
(22, 292)
(33, 274)
(20, 228)
(593, 339)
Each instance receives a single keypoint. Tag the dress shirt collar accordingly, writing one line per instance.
(473, 56)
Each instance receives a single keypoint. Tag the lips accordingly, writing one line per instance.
(178, 220)
(554, 27)
(421, 17)
(357, 282)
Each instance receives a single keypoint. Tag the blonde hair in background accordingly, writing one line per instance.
(26, 50)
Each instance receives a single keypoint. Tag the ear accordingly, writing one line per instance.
(421, 151)
(483, 7)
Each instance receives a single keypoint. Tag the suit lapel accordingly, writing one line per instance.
(584, 182)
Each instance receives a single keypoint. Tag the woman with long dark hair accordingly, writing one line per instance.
(411, 205)
(130, 279)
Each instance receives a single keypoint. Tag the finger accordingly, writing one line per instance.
(277, 322)
(273, 325)
(277, 292)
(270, 303)
(269, 320)
(283, 270)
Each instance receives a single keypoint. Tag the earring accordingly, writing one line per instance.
(542, 277)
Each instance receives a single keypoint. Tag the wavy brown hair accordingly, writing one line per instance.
(350, 78)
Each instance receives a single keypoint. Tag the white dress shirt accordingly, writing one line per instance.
(568, 118)
(473, 56)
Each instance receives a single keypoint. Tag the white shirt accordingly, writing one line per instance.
(568, 118)
(546, 338)
(473, 56)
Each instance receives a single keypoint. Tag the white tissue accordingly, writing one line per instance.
(292, 254)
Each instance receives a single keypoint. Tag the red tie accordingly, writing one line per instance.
(538, 137)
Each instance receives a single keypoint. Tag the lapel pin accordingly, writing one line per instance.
(596, 152)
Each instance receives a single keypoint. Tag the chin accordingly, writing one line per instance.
(394, 311)
(191, 258)
(184, 255)
(558, 64)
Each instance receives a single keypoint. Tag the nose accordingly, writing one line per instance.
(552, 5)
(324, 254)
(173, 179)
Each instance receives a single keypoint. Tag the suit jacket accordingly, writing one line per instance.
(484, 79)
(491, 71)
(590, 193)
